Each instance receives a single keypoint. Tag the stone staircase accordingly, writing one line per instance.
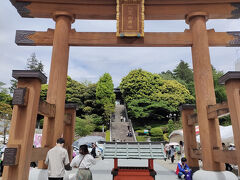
(120, 125)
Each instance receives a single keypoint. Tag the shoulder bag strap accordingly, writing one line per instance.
(81, 161)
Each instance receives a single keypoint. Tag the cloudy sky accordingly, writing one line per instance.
(89, 63)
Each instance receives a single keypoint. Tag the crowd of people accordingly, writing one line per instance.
(58, 161)
(176, 152)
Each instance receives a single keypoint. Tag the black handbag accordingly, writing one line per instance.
(68, 167)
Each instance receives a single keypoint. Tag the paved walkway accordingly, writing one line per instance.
(167, 164)
(102, 170)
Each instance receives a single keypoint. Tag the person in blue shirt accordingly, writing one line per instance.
(183, 171)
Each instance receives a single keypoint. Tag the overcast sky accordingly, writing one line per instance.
(89, 63)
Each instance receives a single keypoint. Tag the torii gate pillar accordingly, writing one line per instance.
(204, 88)
(23, 123)
(189, 135)
(69, 127)
(53, 127)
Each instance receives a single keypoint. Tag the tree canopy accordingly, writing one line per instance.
(5, 111)
(183, 72)
(84, 126)
(184, 75)
(32, 64)
(105, 96)
(220, 91)
(4, 96)
(150, 96)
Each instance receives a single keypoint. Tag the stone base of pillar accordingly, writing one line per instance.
(214, 175)
(194, 169)
(42, 174)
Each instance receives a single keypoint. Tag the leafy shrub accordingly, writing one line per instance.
(97, 120)
(156, 132)
(147, 127)
(99, 128)
(156, 139)
(41, 122)
(141, 132)
(164, 129)
(84, 126)
(136, 126)
(165, 137)
(170, 126)
(225, 121)
(141, 138)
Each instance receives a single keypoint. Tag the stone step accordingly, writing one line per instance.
(119, 128)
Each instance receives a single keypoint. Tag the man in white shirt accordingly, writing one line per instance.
(56, 159)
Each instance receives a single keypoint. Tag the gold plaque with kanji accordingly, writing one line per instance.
(130, 18)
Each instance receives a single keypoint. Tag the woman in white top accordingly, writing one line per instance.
(83, 162)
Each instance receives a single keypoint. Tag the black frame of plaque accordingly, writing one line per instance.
(10, 155)
(19, 96)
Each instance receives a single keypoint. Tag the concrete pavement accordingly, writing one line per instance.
(102, 169)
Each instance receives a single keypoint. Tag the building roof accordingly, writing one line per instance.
(133, 150)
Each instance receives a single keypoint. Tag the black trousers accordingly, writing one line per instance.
(55, 178)
(172, 159)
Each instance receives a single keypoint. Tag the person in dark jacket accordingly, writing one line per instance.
(93, 152)
(172, 153)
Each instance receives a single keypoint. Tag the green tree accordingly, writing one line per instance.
(183, 72)
(43, 93)
(149, 96)
(105, 96)
(4, 96)
(219, 89)
(84, 126)
(184, 75)
(13, 86)
(74, 92)
(89, 99)
(2, 89)
(5, 110)
(168, 75)
(170, 126)
(146, 109)
(32, 64)
(84, 95)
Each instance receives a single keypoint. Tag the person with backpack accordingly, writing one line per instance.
(183, 171)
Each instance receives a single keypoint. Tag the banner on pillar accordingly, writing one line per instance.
(130, 18)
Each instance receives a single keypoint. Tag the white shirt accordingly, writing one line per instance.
(56, 158)
(87, 162)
